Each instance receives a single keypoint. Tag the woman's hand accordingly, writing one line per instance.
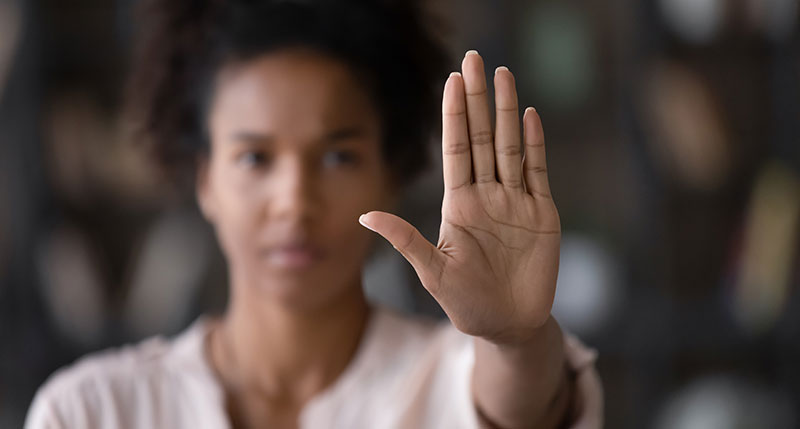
(495, 266)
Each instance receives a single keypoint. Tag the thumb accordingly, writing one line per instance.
(419, 252)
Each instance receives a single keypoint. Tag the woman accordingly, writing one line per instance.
(298, 117)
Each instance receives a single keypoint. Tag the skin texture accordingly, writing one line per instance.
(295, 158)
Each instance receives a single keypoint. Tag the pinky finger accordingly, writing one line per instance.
(535, 163)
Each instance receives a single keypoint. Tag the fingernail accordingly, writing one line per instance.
(530, 109)
(471, 52)
(500, 68)
(363, 223)
(455, 74)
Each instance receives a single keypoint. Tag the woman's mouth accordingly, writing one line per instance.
(293, 256)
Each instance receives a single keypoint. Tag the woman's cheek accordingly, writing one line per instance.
(346, 202)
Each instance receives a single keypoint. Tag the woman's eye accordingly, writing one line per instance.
(252, 159)
(339, 157)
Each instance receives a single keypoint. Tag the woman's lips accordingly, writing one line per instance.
(293, 257)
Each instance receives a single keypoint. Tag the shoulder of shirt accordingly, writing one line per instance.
(122, 366)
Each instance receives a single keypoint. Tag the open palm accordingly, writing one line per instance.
(494, 268)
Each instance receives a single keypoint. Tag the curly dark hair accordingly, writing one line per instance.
(184, 43)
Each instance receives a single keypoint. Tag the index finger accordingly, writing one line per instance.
(456, 156)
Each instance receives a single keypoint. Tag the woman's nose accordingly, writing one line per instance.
(295, 194)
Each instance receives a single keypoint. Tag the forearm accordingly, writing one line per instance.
(522, 386)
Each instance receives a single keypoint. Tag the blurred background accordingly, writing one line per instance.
(673, 133)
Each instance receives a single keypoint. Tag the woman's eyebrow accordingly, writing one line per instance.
(344, 134)
(252, 137)
(335, 136)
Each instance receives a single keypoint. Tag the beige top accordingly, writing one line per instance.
(407, 373)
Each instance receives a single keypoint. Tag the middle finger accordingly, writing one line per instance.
(478, 118)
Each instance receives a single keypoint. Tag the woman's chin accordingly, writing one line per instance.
(301, 288)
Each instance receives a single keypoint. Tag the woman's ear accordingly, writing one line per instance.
(203, 189)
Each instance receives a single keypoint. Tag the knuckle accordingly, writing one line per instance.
(456, 148)
(512, 150)
(479, 138)
(484, 178)
(410, 239)
(536, 169)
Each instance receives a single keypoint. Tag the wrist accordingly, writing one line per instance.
(526, 337)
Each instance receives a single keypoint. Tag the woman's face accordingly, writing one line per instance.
(295, 159)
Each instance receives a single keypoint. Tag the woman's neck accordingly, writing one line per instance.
(261, 348)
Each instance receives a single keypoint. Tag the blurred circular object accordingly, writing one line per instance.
(589, 289)
(87, 155)
(695, 21)
(685, 127)
(783, 19)
(386, 280)
(75, 126)
(558, 54)
(72, 285)
(776, 19)
(726, 402)
(168, 271)
(10, 29)
(763, 282)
